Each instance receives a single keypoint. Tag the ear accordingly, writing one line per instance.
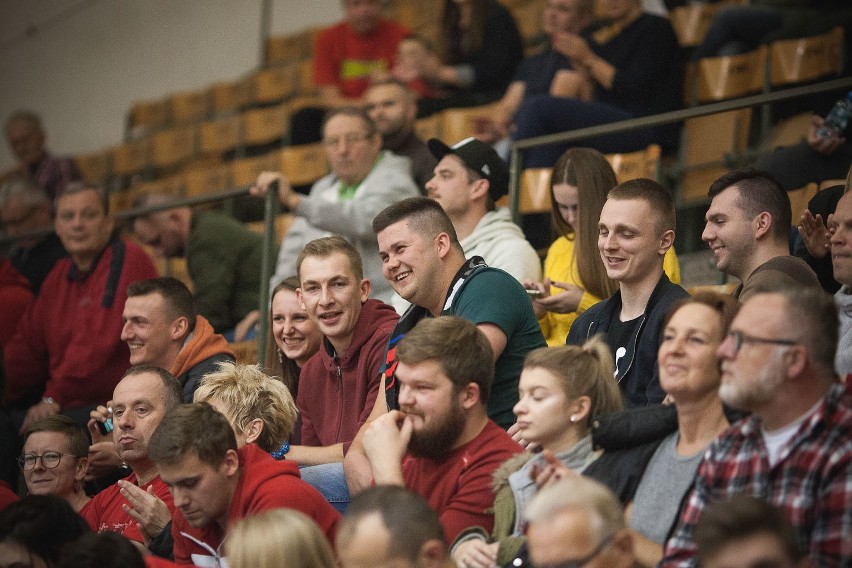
(479, 189)
(796, 359)
(109, 222)
(622, 548)
(80, 470)
(376, 141)
(366, 286)
(299, 297)
(231, 464)
(580, 408)
(432, 553)
(763, 225)
(666, 242)
(253, 430)
(179, 328)
(469, 396)
(443, 244)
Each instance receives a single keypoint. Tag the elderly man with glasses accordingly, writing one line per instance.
(364, 180)
(795, 450)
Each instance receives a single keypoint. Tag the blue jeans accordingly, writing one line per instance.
(329, 480)
(738, 29)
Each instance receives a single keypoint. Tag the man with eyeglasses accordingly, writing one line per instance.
(578, 523)
(363, 181)
(795, 450)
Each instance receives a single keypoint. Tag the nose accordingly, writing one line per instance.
(430, 185)
(405, 398)
(519, 408)
(326, 297)
(124, 421)
(126, 332)
(726, 349)
(609, 242)
(179, 498)
(838, 236)
(708, 235)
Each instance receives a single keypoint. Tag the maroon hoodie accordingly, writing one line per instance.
(336, 394)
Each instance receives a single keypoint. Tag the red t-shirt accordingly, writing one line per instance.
(104, 512)
(346, 60)
(458, 486)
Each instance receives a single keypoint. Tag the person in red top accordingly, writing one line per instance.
(139, 506)
(66, 354)
(15, 295)
(338, 385)
(441, 443)
(214, 484)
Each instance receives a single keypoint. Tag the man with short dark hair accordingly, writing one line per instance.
(392, 106)
(66, 354)
(441, 443)
(748, 230)
(138, 507)
(636, 229)
(338, 385)
(223, 257)
(744, 532)
(388, 523)
(794, 450)
(214, 484)
(25, 208)
(363, 181)
(162, 328)
(26, 137)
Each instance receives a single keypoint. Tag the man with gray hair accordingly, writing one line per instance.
(25, 208)
(25, 137)
(794, 450)
(576, 521)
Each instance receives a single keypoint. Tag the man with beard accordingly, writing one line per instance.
(441, 443)
(795, 450)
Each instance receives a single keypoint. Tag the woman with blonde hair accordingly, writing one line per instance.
(575, 279)
(259, 408)
(562, 390)
(280, 537)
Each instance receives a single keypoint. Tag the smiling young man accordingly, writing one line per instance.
(441, 443)
(748, 230)
(162, 328)
(214, 484)
(635, 231)
(338, 385)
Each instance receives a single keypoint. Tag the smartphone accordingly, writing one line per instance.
(533, 293)
(105, 427)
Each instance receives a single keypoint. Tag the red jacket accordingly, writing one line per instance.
(264, 484)
(15, 295)
(336, 394)
(68, 345)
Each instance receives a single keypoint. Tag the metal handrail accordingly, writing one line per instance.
(519, 146)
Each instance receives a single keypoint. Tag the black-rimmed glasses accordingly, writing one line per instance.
(48, 459)
(739, 338)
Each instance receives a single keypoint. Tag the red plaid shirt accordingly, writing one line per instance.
(812, 482)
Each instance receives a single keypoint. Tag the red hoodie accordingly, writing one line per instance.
(336, 394)
(263, 484)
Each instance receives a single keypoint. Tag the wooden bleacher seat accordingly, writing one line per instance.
(206, 179)
(245, 171)
(174, 146)
(527, 14)
(303, 164)
(119, 200)
(728, 77)
(172, 186)
(304, 78)
(718, 288)
(460, 123)
(189, 106)
(429, 127)
(692, 21)
(245, 352)
(789, 131)
(535, 191)
(280, 49)
(806, 59)
(146, 116)
(282, 225)
(273, 85)
(230, 97)
(94, 167)
(640, 164)
(707, 144)
(131, 157)
(218, 136)
(264, 125)
(831, 183)
(799, 200)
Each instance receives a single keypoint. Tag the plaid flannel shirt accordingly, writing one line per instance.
(812, 482)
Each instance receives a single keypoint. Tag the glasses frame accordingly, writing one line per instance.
(739, 339)
(36, 458)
